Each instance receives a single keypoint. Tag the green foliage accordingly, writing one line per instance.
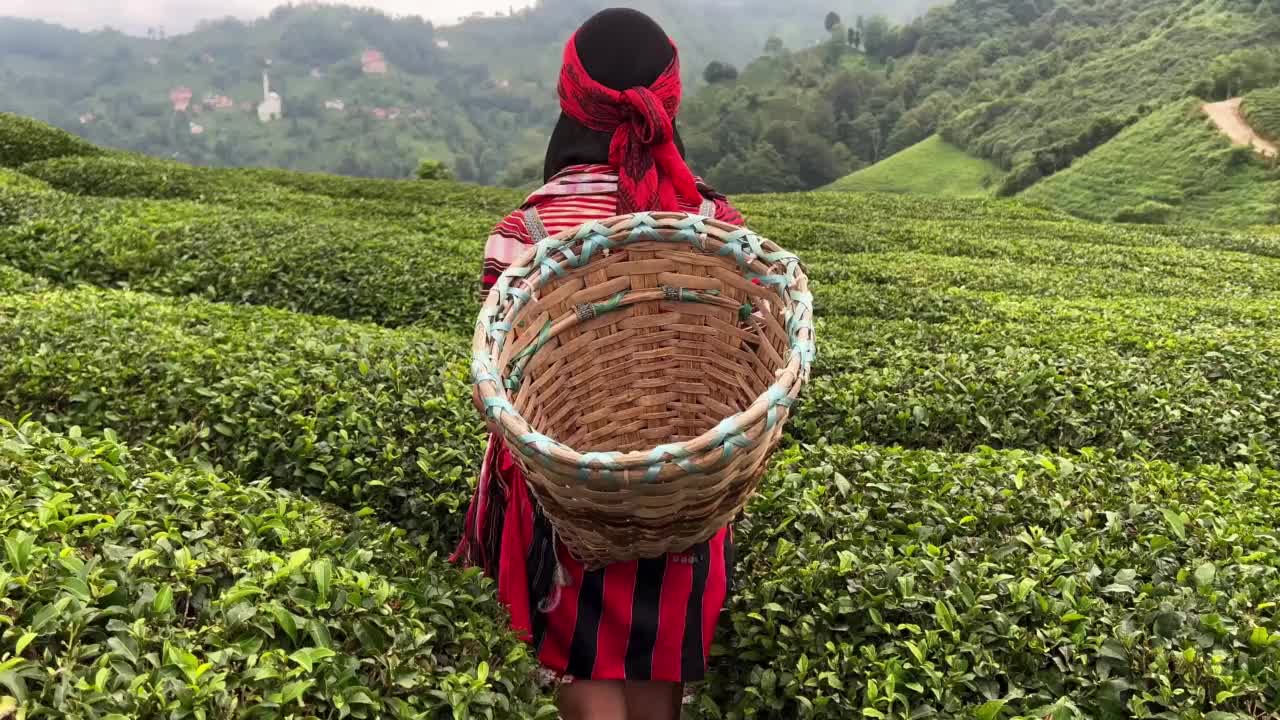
(1175, 158)
(890, 584)
(960, 370)
(475, 104)
(433, 170)
(359, 415)
(1148, 211)
(1080, 60)
(23, 140)
(1239, 72)
(932, 167)
(1046, 161)
(719, 72)
(1033, 476)
(357, 270)
(13, 280)
(146, 588)
(1029, 85)
(14, 180)
(1262, 109)
(137, 176)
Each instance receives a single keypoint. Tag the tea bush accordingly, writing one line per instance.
(12, 280)
(303, 261)
(357, 414)
(23, 140)
(1262, 109)
(1034, 476)
(143, 177)
(20, 181)
(1183, 380)
(894, 584)
(396, 271)
(136, 588)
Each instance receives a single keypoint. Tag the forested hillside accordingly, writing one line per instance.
(1028, 84)
(479, 96)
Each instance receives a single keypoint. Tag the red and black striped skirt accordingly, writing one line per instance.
(639, 620)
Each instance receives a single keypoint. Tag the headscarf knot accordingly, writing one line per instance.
(651, 173)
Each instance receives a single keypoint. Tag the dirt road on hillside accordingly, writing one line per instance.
(1226, 115)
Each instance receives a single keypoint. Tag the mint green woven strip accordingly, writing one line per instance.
(694, 222)
(660, 455)
(481, 370)
(609, 305)
(540, 442)
(495, 406)
(516, 375)
(594, 228)
(593, 244)
(778, 398)
(733, 441)
(744, 244)
(607, 462)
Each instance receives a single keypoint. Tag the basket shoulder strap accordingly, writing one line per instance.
(708, 208)
(533, 223)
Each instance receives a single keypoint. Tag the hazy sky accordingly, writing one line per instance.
(179, 15)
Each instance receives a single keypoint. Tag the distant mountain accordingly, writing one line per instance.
(360, 93)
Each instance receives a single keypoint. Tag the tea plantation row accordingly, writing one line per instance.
(1115, 557)
(136, 587)
(902, 582)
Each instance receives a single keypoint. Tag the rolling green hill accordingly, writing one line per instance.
(1172, 166)
(1031, 85)
(931, 167)
(1034, 475)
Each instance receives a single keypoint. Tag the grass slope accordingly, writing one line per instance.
(1172, 166)
(931, 167)
(1262, 109)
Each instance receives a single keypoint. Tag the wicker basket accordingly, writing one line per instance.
(641, 369)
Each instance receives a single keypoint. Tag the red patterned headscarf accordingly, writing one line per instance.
(652, 175)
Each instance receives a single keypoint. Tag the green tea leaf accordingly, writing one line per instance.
(989, 710)
(1206, 573)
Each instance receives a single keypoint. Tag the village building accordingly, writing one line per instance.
(442, 44)
(271, 107)
(87, 118)
(337, 104)
(196, 129)
(181, 98)
(373, 62)
(219, 102)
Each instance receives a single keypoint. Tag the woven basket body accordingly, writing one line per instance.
(641, 370)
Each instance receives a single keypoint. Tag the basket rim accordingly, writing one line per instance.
(782, 272)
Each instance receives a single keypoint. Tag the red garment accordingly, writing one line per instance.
(640, 620)
(575, 195)
(653, 175)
